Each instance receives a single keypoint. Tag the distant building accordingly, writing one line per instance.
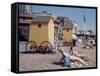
(24, 22)
(25, 9)
(68, 30)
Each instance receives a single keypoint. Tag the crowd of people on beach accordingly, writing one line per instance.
(87, 42)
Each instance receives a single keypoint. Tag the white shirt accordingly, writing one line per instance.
(74, 36)
(80, 40)
(66, 54)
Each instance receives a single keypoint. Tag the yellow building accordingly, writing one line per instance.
(42, 29)
(67, 34)
(68, 31)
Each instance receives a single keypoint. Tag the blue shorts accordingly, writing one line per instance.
(67, 62)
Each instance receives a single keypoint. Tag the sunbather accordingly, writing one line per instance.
(82, 56)
(66, 57)
(88, 44)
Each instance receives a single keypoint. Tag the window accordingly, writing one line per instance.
(70, 28)
(39, 25)
(23, 33)
(67, 30)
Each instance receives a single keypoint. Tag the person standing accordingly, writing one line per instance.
(74, 39)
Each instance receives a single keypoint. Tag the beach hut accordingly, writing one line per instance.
(42, 30)
(68, 31)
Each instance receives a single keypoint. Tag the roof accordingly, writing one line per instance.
(68, 25)
(66, 22)
(41, 19)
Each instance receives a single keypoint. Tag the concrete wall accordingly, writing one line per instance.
(51, 32)
(22, 46)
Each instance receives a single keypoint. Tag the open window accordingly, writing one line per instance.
(39, 25)
(23, 32)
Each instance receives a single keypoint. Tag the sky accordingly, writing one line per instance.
(73, 13)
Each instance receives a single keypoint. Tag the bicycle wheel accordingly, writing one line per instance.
(46, 47)
(31, 47)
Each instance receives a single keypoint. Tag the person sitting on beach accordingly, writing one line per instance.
(67, 58)
(82, 56)
(88, 44)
